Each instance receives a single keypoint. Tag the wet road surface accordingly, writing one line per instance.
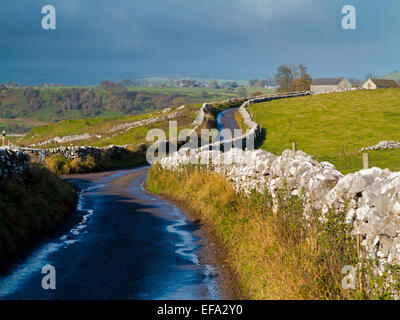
(120, 243)
(226, 120)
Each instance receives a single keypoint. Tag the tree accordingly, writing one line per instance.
(304, 81)
(13, 84)
(108, 84)
(270, 82)
(252, 82)
(241, 91)
(284, 78)
(230, 84)
(126, 83)
(214, 84)
(293, 78)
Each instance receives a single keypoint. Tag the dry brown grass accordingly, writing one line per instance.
(134, 155)
(273, 254)
(52, 164)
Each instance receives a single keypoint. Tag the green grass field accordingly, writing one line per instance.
(334, 127)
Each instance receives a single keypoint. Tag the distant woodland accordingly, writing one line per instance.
(53, 104)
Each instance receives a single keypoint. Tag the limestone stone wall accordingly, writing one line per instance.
(252, 127)
(114, 131)
(370, 198)
(84, 152)
(13, 163)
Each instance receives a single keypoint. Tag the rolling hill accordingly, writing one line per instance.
(23, 108)
(392, 76)
(100, 132)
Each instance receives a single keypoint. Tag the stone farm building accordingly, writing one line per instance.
(326, 85)
(372, 84)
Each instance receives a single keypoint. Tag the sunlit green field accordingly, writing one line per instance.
(334, 127)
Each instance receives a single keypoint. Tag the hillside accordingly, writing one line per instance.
(392, 76)
(107, 131)
(22, 109)
(334, 127)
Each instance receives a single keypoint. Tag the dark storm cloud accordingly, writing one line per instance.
(226, 37)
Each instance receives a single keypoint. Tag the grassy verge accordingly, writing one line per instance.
(31, 210)
(273, 255)
(334, 127)
(240, 121)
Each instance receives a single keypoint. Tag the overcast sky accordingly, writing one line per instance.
(226, 38)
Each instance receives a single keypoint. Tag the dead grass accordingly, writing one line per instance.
(59, 165)
(240, 122)
(273, 254)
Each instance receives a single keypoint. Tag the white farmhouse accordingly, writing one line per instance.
(373, 84)
(327, 85)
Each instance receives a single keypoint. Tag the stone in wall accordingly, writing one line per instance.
(13, 163)
(144, 122)
(66, 139)
(84, 152)
(383, 145)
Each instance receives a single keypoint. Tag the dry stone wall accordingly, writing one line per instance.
(144, 122)
(13, 163)
(65, 139)
(122, 127)
(383, 145)
(370, 198)
(84, 152)
(252, 127)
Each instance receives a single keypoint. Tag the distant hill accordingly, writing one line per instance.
(23, 108)
(392, 76)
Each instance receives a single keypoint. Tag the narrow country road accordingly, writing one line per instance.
(226, 119)
(121, 242)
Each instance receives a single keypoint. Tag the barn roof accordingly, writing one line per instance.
(327, 81)
(385, 83)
